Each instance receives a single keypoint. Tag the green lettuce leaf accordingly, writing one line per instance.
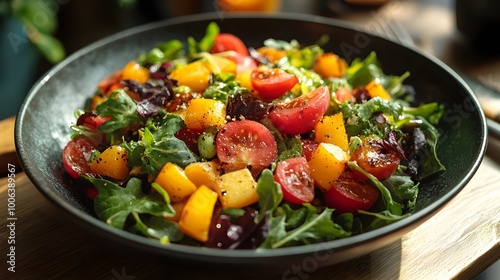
(159, 146)
(317, 226)
(270, 194)
(123, 110)
(206, 41)
(114, 204)
(403, 189)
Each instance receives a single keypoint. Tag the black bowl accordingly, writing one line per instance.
(42, 126)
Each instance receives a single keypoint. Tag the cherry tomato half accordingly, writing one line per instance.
(245, 144)
(373, 157)
(76, 155)
(348, 195)
(302, 113)
(229, 42)
(295, 180)
(272, 83)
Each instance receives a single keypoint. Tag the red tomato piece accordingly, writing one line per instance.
(373, 157)
(302, 113)
(229, 42)
(343, 94)
(308, 148)
(245, 144)
(76, 155)
(272, 83)
(92, 120)
(95, 122)
(91, 192)
(295, 180)
(348, 195)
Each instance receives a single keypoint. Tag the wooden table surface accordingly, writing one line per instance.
(460, 241)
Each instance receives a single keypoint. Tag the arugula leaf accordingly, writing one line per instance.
(432, 112)
(377, 104)
(276, 232)
(316, 228)
(123, 110)
(114, 204)
(405, 191)
(294, 217)
(206, 42)
(382, 219)
(269, 193)
(158, 228)
(346, 221)
(290, 147)
(165, 51)
(159, 145)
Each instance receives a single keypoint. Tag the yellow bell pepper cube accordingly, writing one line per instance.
(134, 71)
(112, 162)
(327, 162)
(203, 173)
(330, 65)
(331, 129)
(244, 79)
(202, 113)
(375, 89)
(196, 215)
(237, 189)
(175, 182)
(196, 75)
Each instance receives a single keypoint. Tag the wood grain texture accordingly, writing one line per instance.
(7, 146)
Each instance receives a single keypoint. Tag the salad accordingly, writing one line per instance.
(213, 143)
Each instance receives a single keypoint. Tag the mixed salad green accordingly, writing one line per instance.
(220, 145)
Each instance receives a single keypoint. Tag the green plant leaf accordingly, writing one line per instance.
(317, 227)
(114, 204)
(123, 110)
(269, 192)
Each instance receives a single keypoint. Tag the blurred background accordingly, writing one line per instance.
(36, 34)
